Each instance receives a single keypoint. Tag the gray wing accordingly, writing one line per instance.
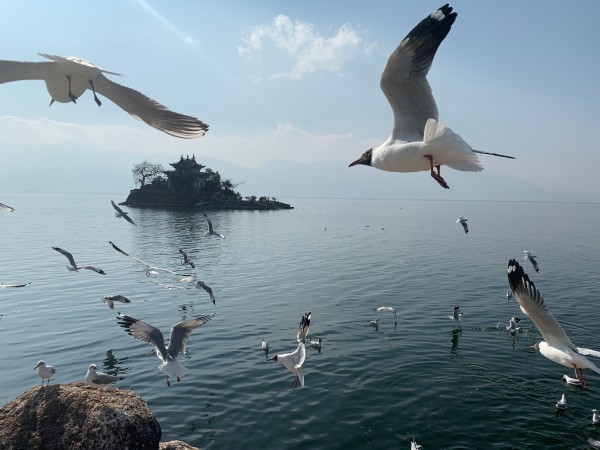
(150, 111)
(123, 214)
(13, 285)
(104, 378)
(180, 333)
(303, 327)
(95, 269)
(210, 225)
(200, 285)
(17, 70)
(67, 254)
(404, 81)
(144, 332)
(4, 207)
(532, 303)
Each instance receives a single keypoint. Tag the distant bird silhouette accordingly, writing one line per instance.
(531, 259)
(211, 231)
(463, 222)
(111, 299)
(185, 260)
(121, 213)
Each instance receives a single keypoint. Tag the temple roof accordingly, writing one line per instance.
(187, 163)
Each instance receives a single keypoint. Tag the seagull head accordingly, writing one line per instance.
(365, 159)
(40, 363)
(92, 367)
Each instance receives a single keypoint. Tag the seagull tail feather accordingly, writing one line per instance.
(453, 151)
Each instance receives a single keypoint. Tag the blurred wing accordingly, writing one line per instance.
(150, 111)
(404, 81)
(4, 207)
(180, 333)
(67, 254)
(95, 269)
(144, 332)
(532, 303)
(13, 285)
(299, 355)
(200, 284)
(303, 328)
(17, 70)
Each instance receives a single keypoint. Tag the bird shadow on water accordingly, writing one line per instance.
(112, 365)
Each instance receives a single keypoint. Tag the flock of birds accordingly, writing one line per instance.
(418, 142)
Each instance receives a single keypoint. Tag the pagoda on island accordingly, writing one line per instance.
(187, 176)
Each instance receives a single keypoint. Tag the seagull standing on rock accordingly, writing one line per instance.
(45, 372)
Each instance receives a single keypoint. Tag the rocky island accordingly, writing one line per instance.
(187, 185)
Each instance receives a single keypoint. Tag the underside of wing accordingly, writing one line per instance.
(145, 332)
(181, 332)
(16, 70)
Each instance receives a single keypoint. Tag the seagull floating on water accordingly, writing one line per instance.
(74, 267)
(595, 417)
(185, 260)
(386, 309)
(374, 323)
(418, 141)
(67, 78)
(570, 380)
(316, 343)
(512, 324)
(45, 372)
(531, 259)
(211, 231)
(562, 403)
(556, 345)
(180, 333)
(463, 222)
(123, 214)
(508, 295)
(99, 379)
(456, 314)
(415, 446)
(295, 360)
(265, 346)
(111, 299)
(6, 208)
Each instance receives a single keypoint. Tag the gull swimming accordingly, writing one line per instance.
(123, 214)
(45, 372)
(149, 268)
(418, 141)
(595, 417)
(374, 323)
(211, 231)
(456, 314)
(74, 267)
(463, 222)
(316, 343)
(265, 346)
(6, 208)
(67, 78)
(111, 299)
(512, 324)
(562, 403)
(99, 379)
(180, 333)
(556, 345)
(531, 259)
(594, 443)
(386, 309)
(185, 260)
(295, 360)
(199, 284)
(415, 446)
(508, 295)
(570, 380)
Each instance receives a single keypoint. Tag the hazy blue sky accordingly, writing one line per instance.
(300, 80)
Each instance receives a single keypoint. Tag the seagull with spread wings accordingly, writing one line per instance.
(149, 268)
(74, 267)
(295, 360)
(123, 214)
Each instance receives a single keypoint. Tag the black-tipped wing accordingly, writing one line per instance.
(144, 332)
(303, 327)
(404, 81)
(150, 111)
(532, 303)
(123, 214)
(180, 333)
(67, 254)
(4, 207)
(13, 285)
(210, 225)
(200, 285)
(95, 269)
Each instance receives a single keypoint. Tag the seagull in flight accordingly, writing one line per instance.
(531, 259)
(111, 299)
(295, 360)
(556, 345)
(512, 324)
(74, 267)
(123, 214)
(150, 268)
(415, 446)
(6, 208)
(13, 285)
(67, 78)
(180, 333)
(185, 260)
(418, 141)
(45, 372)
(386, 309)
(211, 231)
(99, 379)
(463, 222)
(199, 284)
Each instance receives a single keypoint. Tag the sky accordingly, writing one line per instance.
(299, 81)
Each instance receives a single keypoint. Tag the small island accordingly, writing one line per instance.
(187, 186)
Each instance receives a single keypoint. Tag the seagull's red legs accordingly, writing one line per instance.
(436, 176)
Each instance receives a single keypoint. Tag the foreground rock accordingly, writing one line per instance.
(77, 416)
(176, 445)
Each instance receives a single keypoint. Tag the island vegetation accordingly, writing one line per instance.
(191, 184)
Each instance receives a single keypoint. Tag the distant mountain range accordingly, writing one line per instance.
(76, 168)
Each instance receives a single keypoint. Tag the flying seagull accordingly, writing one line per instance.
(531, 259)
(150, 268)
(180, 333)
(295, 360)
(199, 284)
(185, 260)
(211, 231)
(6, 208)
(386, 309)
(463, 222)
(512, 324)
(418, 141)
(74, 267)
(99, 379)
(67, 78)
(456, 314)
(111, 299)
(415, 446)
(45, 372)
(123, 214)
(13, 285)
(556, 345)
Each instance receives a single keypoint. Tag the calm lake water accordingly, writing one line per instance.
(452, 387)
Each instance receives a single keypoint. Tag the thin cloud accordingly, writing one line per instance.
(306, 50)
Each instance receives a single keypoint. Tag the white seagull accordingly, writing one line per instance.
(316, 343)
(149, 268)
(295, 360)
(512, 324)
(463, 222)
(123, 214)
(595, 417)
(265, 346)
(562, 403)
(531, 259)
(594, 443)
(67, 78)
(211, 231)
(386, 309)
(418, 141)
(374, 323)
(99, 379)
(456, 314)
(199, 284)
(45, 372)
(508, 295)
(556, 345)
(6, 208)
(180, 333)
(111, 299)
(570, 380)
(2, 285)
(415, 446)
(185, 260)
(74, 267)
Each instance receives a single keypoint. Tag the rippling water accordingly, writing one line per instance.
(473, 386)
